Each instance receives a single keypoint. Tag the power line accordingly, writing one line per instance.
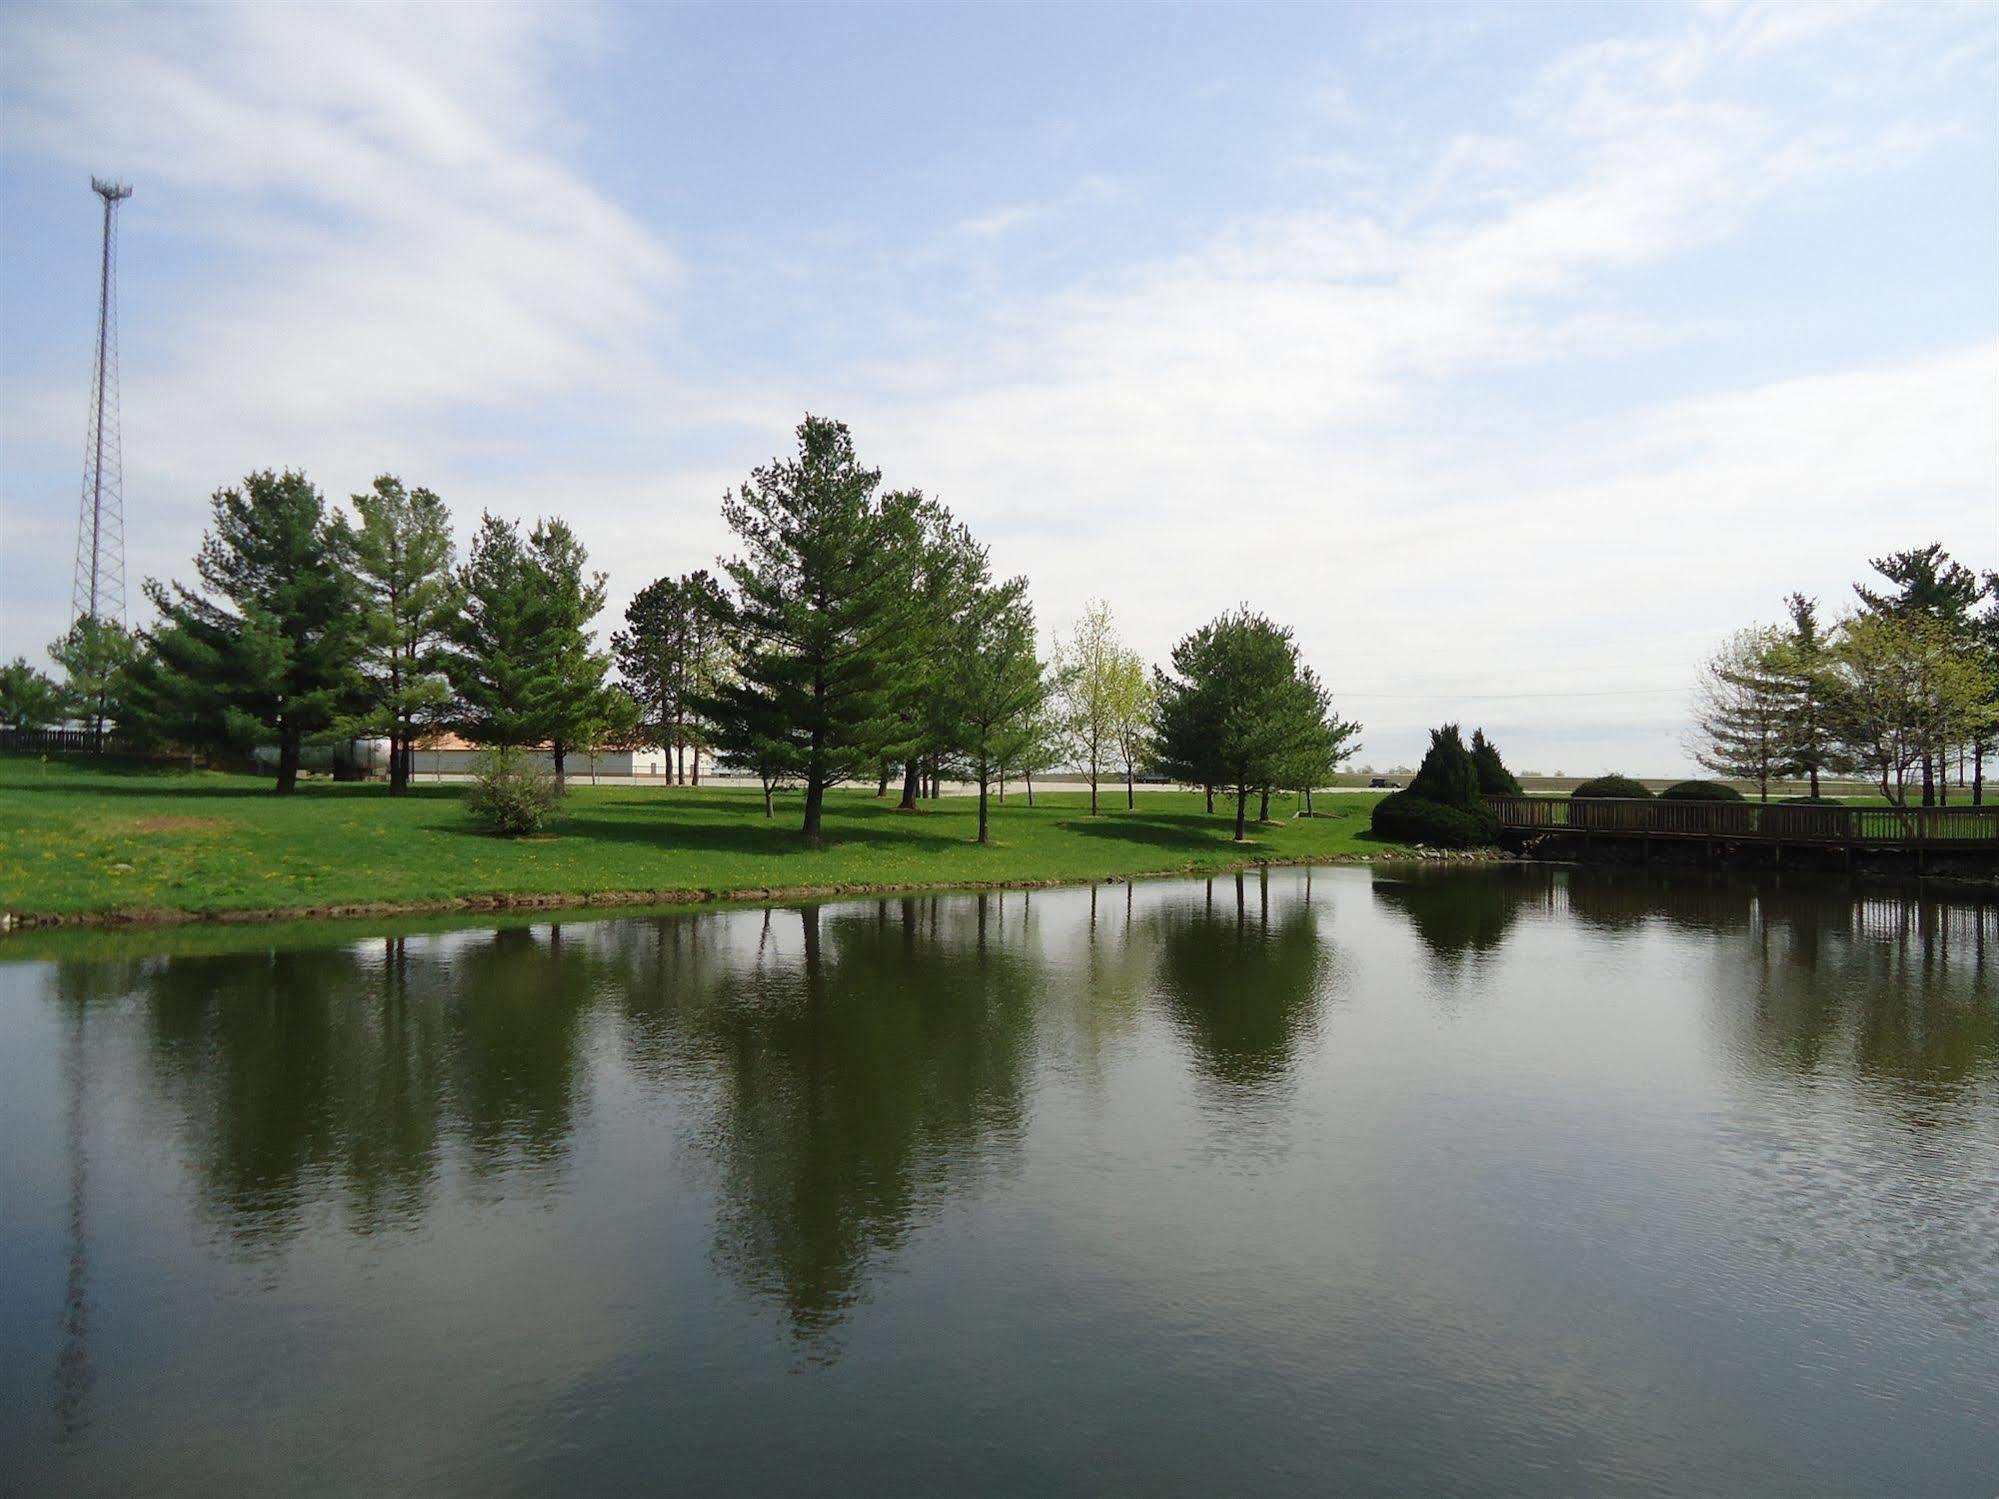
(1486, 697)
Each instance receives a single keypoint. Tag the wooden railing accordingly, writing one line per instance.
(1768, 823)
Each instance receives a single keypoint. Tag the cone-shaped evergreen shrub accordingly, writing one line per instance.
(1494, 779)
(1447, 775)
(1441, 808)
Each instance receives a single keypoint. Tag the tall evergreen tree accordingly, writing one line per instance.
(265, 648)
(824, 607)
(949, 567)
(1801, 660)
(995, 682)
(577, 708)
(403, 556)
(494, 663)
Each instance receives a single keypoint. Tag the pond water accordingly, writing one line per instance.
(1500, 1180)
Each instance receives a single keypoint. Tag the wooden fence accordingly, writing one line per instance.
(62, 742)
(1752, 821)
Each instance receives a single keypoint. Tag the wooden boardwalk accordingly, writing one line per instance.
(1958, 829)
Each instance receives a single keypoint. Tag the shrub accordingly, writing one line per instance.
(1447, 775)
(1701, 791)
(1494, 779)
(1812, 801)
(511, 795)
(1610, 785)
(1409, 818)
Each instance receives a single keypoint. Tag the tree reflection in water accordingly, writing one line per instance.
(1242, 986)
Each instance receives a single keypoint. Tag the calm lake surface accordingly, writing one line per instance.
(1496, 1180)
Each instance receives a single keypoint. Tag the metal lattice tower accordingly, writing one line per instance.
(99, 588)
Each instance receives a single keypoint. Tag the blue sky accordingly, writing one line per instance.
(1513, 355)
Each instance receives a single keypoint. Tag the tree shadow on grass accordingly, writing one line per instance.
(1152, 832)
(755, 838)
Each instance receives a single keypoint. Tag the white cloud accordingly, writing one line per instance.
(410, 277)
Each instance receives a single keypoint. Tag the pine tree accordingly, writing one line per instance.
(403, 554)
(494, 663)
(1800, 659)
(1741, 711)
(824, 609)
(265, 648)
(995, 681)
(575, 707)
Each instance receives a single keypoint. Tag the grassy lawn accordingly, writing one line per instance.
(84, 838)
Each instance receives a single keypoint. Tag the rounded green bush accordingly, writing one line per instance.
(1611, 786)
(1409, 818)
(511, 795)
(1700, 791)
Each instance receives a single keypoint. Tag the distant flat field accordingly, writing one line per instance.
(79, 838)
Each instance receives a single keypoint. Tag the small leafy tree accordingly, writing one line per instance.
(1905, 687)
(28, 699)
(1134, 706)
(94, 655)
(1090, 664)
(1229, 714)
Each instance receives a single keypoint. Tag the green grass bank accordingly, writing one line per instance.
(83, 841)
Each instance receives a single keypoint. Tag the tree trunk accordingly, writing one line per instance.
(1030, 788)
(287, 761)
(1929, 783)
(399, 780)
(697, 762)
(1093, 788)
(1978, 772)
(1241, 809)
(1211, 799)
(560, 750)
(1815, 782)
(881, 781)
(982, 802)
(767, 807)
(815, 804)
(911, 785)
(1130, 789)
(1263, 808)
(1308, 801)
